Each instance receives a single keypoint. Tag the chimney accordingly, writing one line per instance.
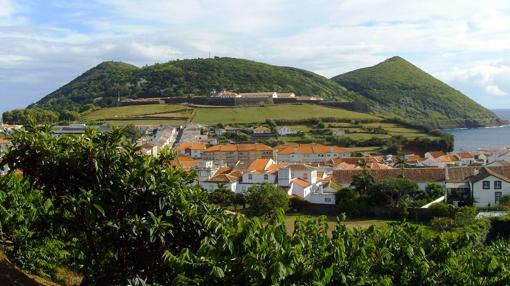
(475, 171)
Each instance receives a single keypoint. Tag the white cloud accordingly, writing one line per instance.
(459, 41)
(495, 90)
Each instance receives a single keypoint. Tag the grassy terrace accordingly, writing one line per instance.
(213, 115)
(175, 115)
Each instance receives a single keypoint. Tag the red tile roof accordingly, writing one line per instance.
(436, 154)
(239, 148)
(309, 149)
(191, 146)
(301, 183)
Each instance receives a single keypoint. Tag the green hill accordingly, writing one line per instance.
(103, 84)
(396, 86)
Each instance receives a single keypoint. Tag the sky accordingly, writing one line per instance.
(46, 44)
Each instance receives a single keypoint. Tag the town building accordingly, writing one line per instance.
(231, 154)
(285, 131)
(306, 153)
(193, 149)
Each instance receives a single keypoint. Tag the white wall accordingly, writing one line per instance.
(487, 197)
(211, 186)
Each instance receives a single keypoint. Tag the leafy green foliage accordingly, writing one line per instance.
(265, 199)
(120, 218)
(395, 86)
(103, 84)
(24, 116)
(26, 228)
(115, 208)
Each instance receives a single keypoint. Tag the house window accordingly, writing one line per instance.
(497, 197)
(486, 185)
(327, 200)
(266, 177)
(497, 185)
(250, 177)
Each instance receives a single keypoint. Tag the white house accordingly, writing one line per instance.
(308, 183)
(488, 187)
(259, 171)
(224, 176)
(285, 130)
(193, 149)
(338, 132)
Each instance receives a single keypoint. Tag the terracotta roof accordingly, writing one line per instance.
(413, 158)
(262, 129)
(185, 162)
(417, 175)
(351, 160)
(462, 174)
(309, 149)
(191, 145)
(465, 155)
(301, 183)
(259, 165)
(238, 147)
(485, 172)
(226, 178)
(378, 166)
(448, 158)
(2, 140)
(436, 154)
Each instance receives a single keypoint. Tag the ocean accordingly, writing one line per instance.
(468, 139)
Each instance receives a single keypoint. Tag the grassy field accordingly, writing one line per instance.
(331, 221)
(213, 115)
(133, 111)
(177, 115)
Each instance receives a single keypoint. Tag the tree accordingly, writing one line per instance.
(266, 199)
(400, 162)
(362, 183)
(222, 196)
(117, 210)
(68, 115)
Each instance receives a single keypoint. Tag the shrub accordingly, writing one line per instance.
(266, 199)
(297, 203)
(442, 223)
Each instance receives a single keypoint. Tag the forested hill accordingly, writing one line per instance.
(103, 84)
(398, 87)
(395, 87)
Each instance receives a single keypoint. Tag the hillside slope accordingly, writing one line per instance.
(103, 84)
(396, 86)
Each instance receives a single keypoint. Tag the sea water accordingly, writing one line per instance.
(470, 139)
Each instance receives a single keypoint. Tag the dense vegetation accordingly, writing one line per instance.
(97, 206)
(395, 86)
(104, 83)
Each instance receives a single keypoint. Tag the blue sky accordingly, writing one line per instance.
(45, 44)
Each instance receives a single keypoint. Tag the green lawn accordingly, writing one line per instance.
(214, 115)
(145, 122)
(132, 111)
(331, 221)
